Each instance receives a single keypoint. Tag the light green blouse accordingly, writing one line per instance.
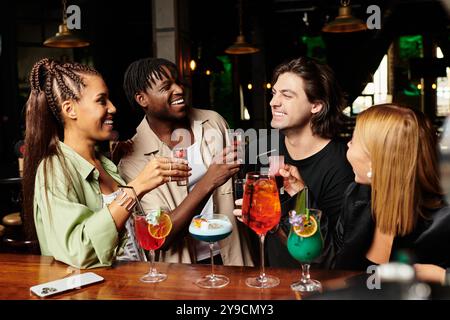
(70, 222)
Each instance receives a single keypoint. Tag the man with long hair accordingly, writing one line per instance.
(307, 106)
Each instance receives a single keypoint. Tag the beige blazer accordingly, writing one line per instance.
(211, 129)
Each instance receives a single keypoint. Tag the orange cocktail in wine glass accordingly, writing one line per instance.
(261, 211)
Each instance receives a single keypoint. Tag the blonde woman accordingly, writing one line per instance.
(396, 201)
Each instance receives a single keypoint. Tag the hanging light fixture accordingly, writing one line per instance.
(241, 46)
(66, 38)
(345, 22)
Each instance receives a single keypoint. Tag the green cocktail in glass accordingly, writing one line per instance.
(305, 244)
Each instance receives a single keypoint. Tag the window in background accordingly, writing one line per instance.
(375, 92)
(245, 115)
(443, 90)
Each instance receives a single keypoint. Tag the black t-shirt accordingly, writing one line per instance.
(327, 175)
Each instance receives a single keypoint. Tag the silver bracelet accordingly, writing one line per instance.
(124, 200)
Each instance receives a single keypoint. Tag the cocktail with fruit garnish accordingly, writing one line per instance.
(305, 244)
(152, 228)
(211, 230)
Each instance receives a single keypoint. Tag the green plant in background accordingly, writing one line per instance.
(222, 95)
(315, 47)
(410, 47)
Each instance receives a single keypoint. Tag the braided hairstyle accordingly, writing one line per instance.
(51, 83)
(143, 73)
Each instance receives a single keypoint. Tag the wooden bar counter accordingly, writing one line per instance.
(20, 272)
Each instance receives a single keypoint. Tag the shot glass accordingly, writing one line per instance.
(238, 141)
(180, 153)
(275, 164)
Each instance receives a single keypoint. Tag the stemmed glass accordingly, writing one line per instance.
(261, 211)
(211, 230)
(305, 244)
(152, 228)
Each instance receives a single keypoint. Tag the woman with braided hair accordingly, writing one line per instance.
(73, 202)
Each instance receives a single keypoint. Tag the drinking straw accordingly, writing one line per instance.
(307, 203)
(137, 200)
(141, 250)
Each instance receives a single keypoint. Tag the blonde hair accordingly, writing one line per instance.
(390, 135)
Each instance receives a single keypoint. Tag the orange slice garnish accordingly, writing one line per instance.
(198, 222)
(162, 229)
(308, 229)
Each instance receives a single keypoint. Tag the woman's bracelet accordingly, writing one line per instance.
(124, 200)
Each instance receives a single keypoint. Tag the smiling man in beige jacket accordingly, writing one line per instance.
(153, 85)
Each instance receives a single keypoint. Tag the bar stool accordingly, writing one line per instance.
(13, 231)
(14, 238)
(10, 195)
(12, 219)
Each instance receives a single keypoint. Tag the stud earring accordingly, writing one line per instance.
(369, 174)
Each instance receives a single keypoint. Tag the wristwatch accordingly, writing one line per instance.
(447, 277)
